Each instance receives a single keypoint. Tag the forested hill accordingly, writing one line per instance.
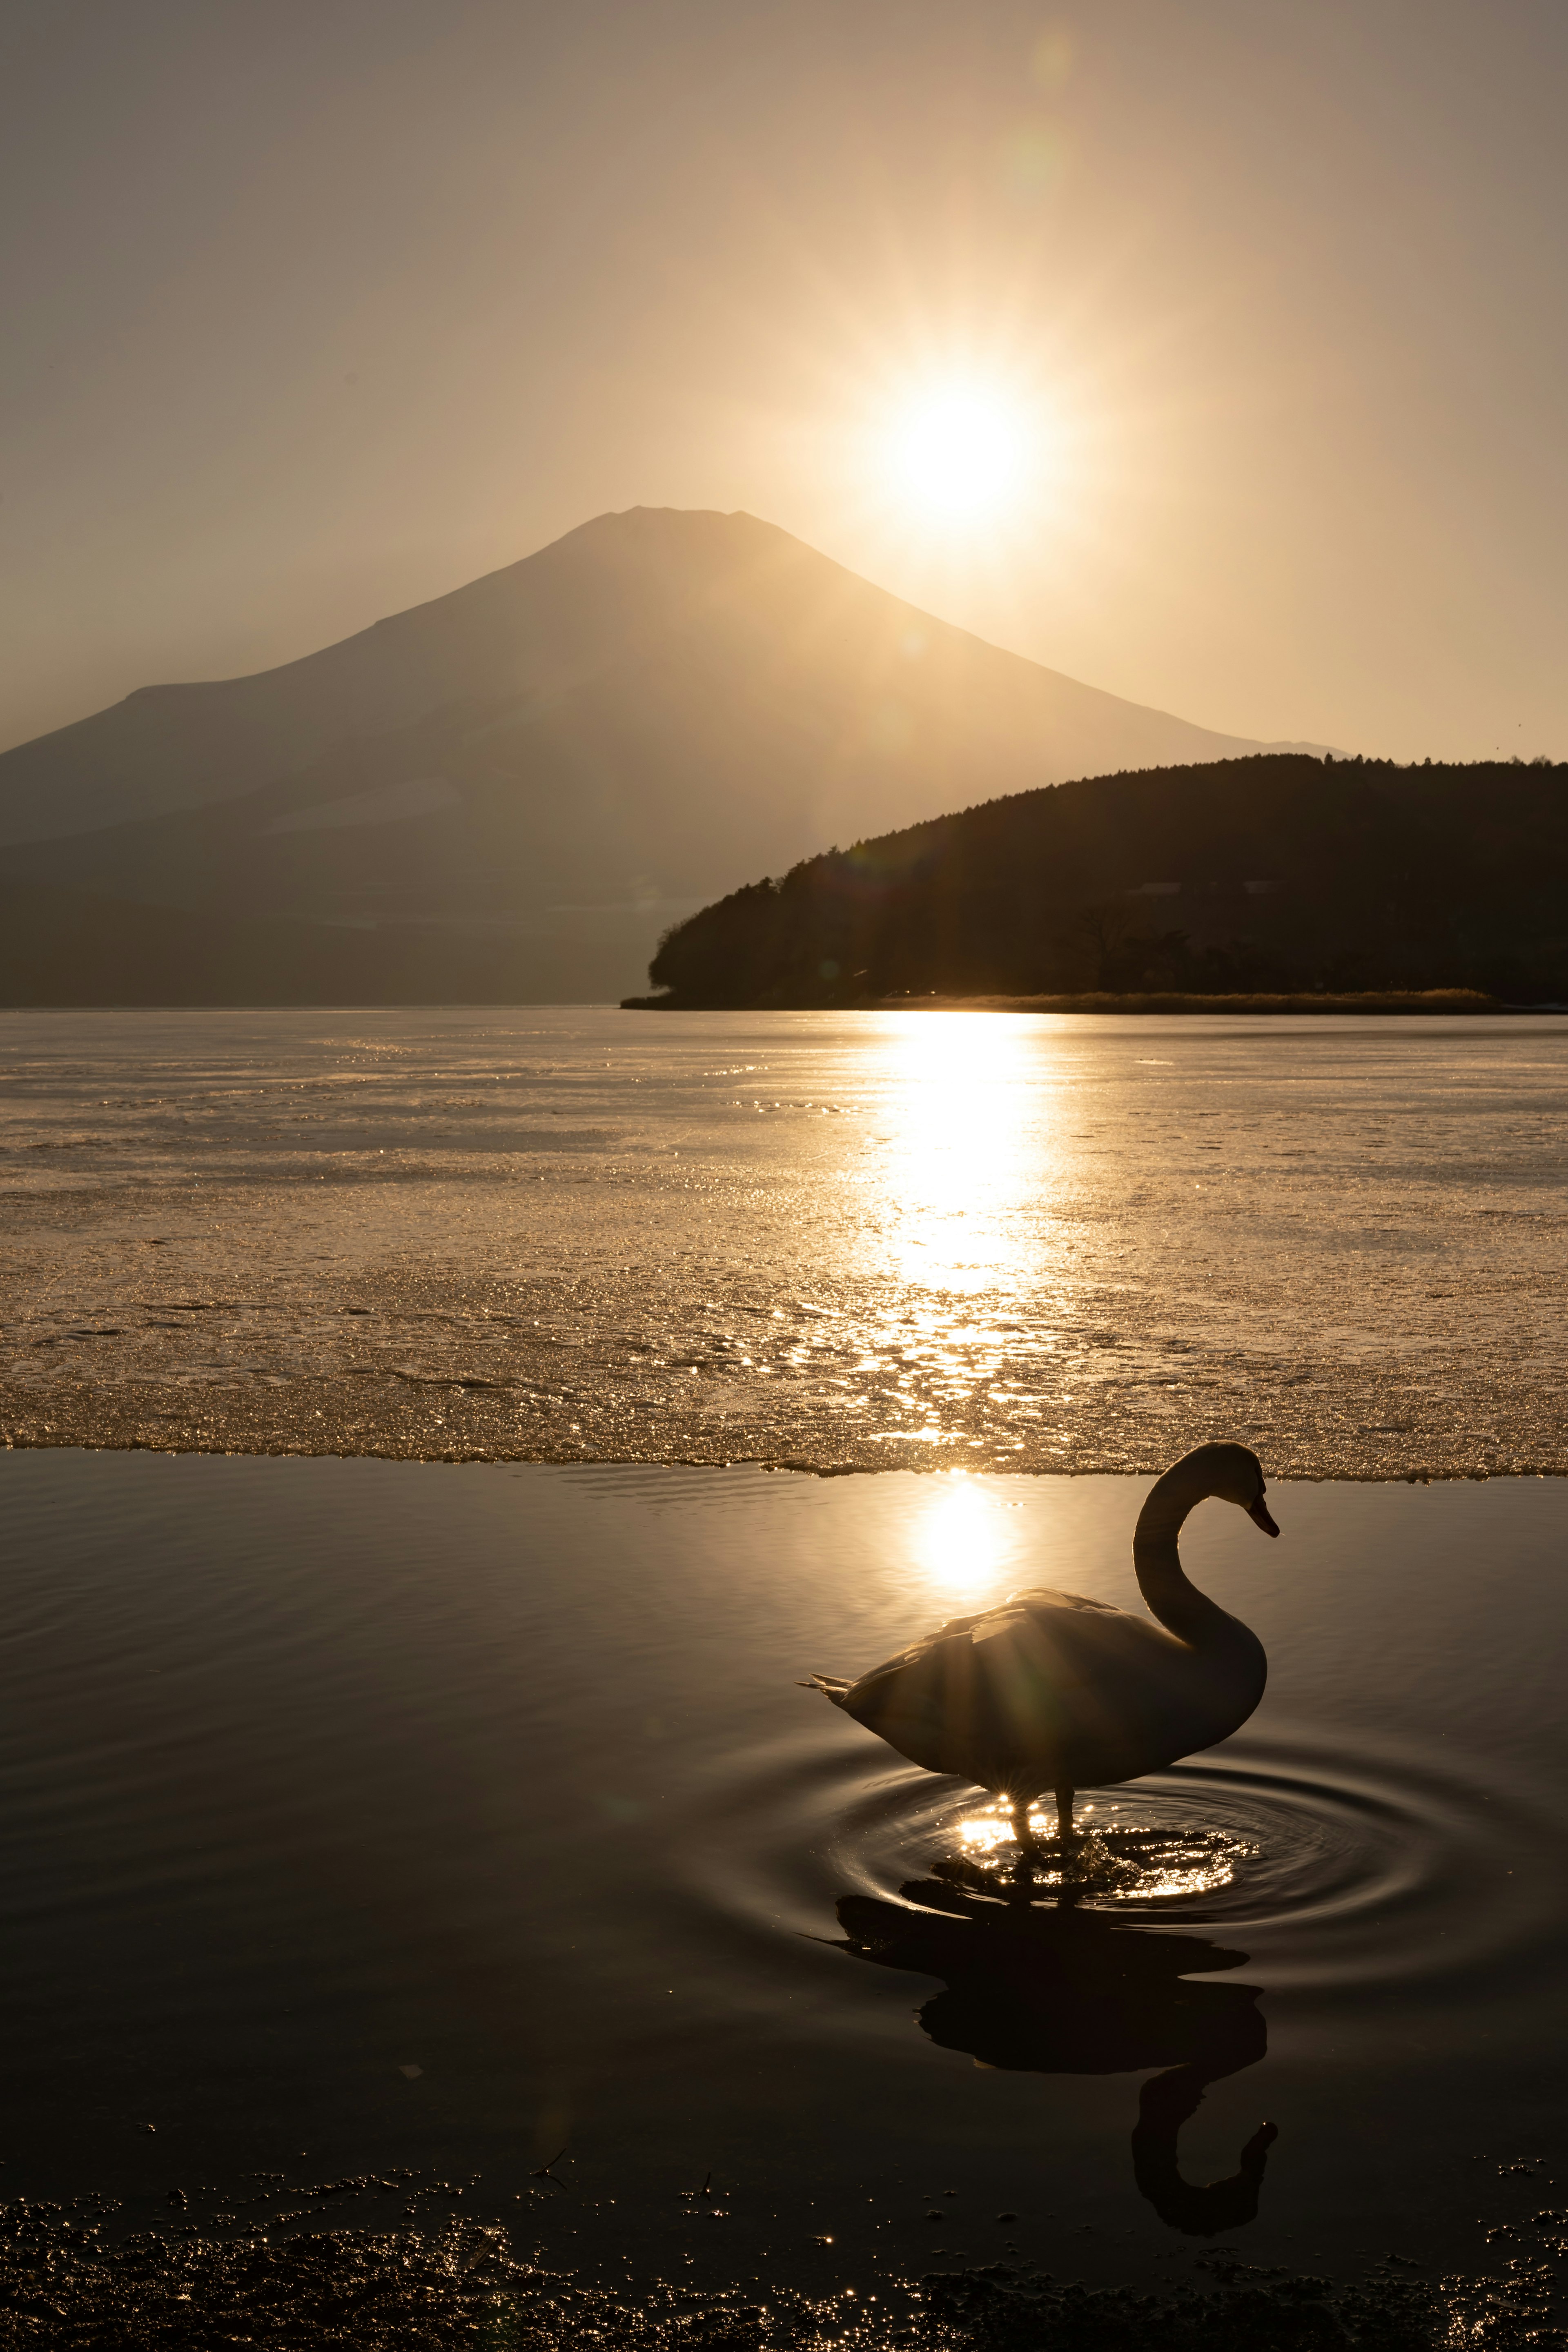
(1282, 871)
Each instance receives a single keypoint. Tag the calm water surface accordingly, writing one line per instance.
(357, 1815)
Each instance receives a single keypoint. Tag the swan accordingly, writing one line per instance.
(1052, 1691)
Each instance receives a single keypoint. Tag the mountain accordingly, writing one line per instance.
(566, 755)
(1275, 872)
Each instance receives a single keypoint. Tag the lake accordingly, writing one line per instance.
(411, 1822)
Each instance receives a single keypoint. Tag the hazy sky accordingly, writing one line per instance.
(316, 307)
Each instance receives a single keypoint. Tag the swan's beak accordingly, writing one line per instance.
(1261, 1517)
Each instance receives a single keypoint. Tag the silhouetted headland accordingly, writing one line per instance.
(1270, 884)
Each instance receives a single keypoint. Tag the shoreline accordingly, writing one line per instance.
(324, 1425)
(449, 2279)
(1466, 1003)
(1153, 1468)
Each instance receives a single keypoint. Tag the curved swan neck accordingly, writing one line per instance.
(1180, 1607)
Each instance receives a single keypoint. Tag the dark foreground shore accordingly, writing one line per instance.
(70, 2276)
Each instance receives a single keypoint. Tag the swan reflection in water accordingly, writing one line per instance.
(1064, 1990)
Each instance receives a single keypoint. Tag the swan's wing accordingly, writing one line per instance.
(1045, 1596)
(838, 1687)
(1033, 1692)
(1104, 1663)
(939, 1652)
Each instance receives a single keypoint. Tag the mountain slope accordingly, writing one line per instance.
(579, 748)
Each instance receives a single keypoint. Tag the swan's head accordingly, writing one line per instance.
(1235, 1473)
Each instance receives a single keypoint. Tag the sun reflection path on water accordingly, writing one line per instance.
(960, 1203)
(969, 1100)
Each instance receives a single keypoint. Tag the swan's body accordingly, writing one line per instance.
(1054, 1692)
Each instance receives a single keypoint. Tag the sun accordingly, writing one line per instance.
(960, 452)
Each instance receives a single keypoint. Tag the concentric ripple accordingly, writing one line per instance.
(1337, 1867)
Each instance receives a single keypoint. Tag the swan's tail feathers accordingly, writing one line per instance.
(833, 1686)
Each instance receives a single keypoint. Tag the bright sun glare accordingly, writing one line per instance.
(964, 1539)
(960, 452)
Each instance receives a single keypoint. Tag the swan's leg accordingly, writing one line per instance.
(1021, 1877)
(1065, 1833)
